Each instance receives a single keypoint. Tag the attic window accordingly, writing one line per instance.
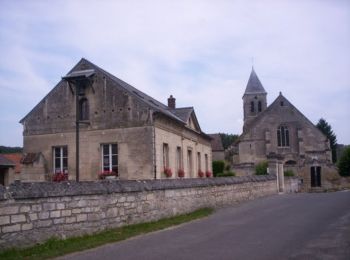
(281, 103)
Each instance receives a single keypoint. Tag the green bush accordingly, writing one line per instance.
(289, 173)
(226, 174)
(261, 168)
(344, 163)
(218, 167)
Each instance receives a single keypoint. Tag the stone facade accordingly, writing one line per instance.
(112, 113)
(281, 133)
(33, 212)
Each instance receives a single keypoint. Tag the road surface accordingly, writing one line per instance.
(290, 226)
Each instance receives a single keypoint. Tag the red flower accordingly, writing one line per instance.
(167, 171)
(181, 173)
(60, 176)
(208, 174)
(200, 173)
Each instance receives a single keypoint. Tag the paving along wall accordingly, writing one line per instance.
(33, 212)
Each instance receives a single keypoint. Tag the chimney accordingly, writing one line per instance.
(172, 102)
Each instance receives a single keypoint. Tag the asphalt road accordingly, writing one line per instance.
(293, 226)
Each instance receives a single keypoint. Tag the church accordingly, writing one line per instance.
(282, 136)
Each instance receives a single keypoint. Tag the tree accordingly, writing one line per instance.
(326, 129)
(344, 163)
(227, 139)
(8, 149)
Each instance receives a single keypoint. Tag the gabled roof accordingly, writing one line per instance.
(183, 113)
(275, 103)
(155, 104)
(216, 142)
(6, 162)
(254, 85)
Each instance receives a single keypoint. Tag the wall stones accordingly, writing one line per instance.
(30, 213)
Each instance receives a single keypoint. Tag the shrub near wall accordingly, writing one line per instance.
(218, 167)
(34, 212)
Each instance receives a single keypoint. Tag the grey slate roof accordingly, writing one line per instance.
(6, 162)
(183, 113)
(254, 85)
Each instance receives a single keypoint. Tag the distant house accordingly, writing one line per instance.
(123, 131)
(7, 170)
(283, 136)
(217, 147)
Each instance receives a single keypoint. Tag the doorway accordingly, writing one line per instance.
(315, 176)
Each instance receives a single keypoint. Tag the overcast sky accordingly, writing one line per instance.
(199, 51)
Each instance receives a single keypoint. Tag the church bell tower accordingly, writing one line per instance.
(254, 100)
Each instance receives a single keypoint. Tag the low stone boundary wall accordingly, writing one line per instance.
(291, 184)
(33, 212)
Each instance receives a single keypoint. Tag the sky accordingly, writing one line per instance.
(201, 52)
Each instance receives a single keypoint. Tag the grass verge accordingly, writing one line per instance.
(58, 247)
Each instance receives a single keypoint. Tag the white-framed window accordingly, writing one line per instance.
(110, 157)
(199, 161)
(60, 159)
(165, 155)
(190, 161)
(206, 162)
(178, 159)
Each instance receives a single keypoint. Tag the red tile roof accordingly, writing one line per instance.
(16, 158)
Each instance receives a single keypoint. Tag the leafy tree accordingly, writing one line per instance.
(261, 168)
(344, 163)
(218, 167)
(326, 129)
(7, 149)
(228, 139)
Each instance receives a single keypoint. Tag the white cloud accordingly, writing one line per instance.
(199, 51)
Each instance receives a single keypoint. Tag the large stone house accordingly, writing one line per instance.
(283, 136)
(122, 130)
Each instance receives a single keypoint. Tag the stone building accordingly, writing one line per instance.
(217, 148)
(283, 136)
(122, 130)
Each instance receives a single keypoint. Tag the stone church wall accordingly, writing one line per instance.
(34, 212)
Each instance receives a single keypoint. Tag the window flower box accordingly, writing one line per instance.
(181, 173)
(167, 172)
(208, 174)
(60, 176)
(200, 174)
(107, 175)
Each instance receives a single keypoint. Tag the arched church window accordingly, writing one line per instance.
(259, 106)
(283, 136)
(252, 109)
(84, 109)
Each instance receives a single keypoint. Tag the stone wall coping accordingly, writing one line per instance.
(30, 190)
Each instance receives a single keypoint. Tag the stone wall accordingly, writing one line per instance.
(33, 212)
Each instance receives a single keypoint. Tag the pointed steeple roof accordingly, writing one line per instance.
(254, 85)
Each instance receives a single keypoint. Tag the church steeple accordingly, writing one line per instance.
(254, 85)
(254, 99)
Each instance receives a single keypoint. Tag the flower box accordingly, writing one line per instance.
(200, 174)
(107, 175)
(181, 173)
(208, 174)
(168, 173)
(60, 176)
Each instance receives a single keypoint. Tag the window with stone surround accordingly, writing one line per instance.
(283, 136)
(60, 159)
(109, 158)
(206, 162)
(84, 109)
(165, 155)
(259, 106)
(178, 159)
(252, 107)
(190, 161)
(199, 161)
